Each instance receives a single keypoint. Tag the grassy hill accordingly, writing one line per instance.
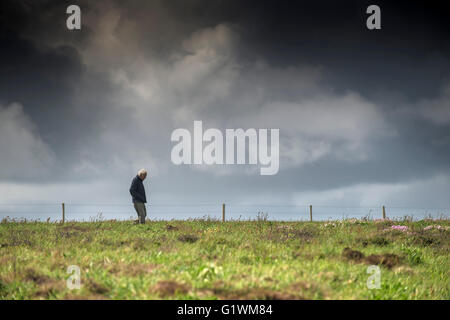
(208, 259)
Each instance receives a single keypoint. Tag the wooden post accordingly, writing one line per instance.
(384, 213)
(310, 213)
(63, 213)
(223, 212)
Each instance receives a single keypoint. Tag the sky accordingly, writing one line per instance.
(364, 115)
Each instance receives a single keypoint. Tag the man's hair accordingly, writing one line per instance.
(142, 172)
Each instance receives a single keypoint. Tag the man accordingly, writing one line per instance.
(137, 192)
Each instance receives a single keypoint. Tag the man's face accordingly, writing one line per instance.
(143, 176)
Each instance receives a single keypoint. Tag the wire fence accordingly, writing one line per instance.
(231, 211)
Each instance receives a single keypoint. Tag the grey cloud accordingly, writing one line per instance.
(437, 110)
(23, 152)
(106, 99)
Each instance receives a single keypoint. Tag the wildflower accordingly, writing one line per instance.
(400, 228)
(329, 224)
(435, 227)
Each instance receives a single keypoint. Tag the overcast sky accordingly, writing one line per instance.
(364, 116)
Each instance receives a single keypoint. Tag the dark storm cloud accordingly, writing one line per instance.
(50, 81)
(410, 54)
(45, 81)
(408, 57)
(105, 100)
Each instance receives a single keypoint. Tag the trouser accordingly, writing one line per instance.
(141, 211)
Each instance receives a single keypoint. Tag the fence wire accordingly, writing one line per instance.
(233, 211)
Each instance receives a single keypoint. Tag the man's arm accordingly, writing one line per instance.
(133, 189)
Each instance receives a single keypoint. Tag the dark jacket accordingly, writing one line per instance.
(137, 190)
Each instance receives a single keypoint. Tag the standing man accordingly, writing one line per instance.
(137, 192)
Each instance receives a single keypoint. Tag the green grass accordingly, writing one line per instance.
(208, 259)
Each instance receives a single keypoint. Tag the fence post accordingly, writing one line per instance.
(384, 213)
(310, 213)
(63, 213)
(223, 212)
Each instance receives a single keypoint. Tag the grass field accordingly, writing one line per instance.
(208, 259)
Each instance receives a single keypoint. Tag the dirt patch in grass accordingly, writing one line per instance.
(295, 291)
(388, 260)
(142, 269)
(132, 270)
(47, 289)
(190, 238)
(353, 255)
(171, 228)
(254, 294)
(285, 232)
(379, 241)
(36, 277)
(169, 288)
(46, 286)
(97, 288)
(307, 290)
(259, 294)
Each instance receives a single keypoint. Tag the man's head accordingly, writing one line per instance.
(142, 174)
